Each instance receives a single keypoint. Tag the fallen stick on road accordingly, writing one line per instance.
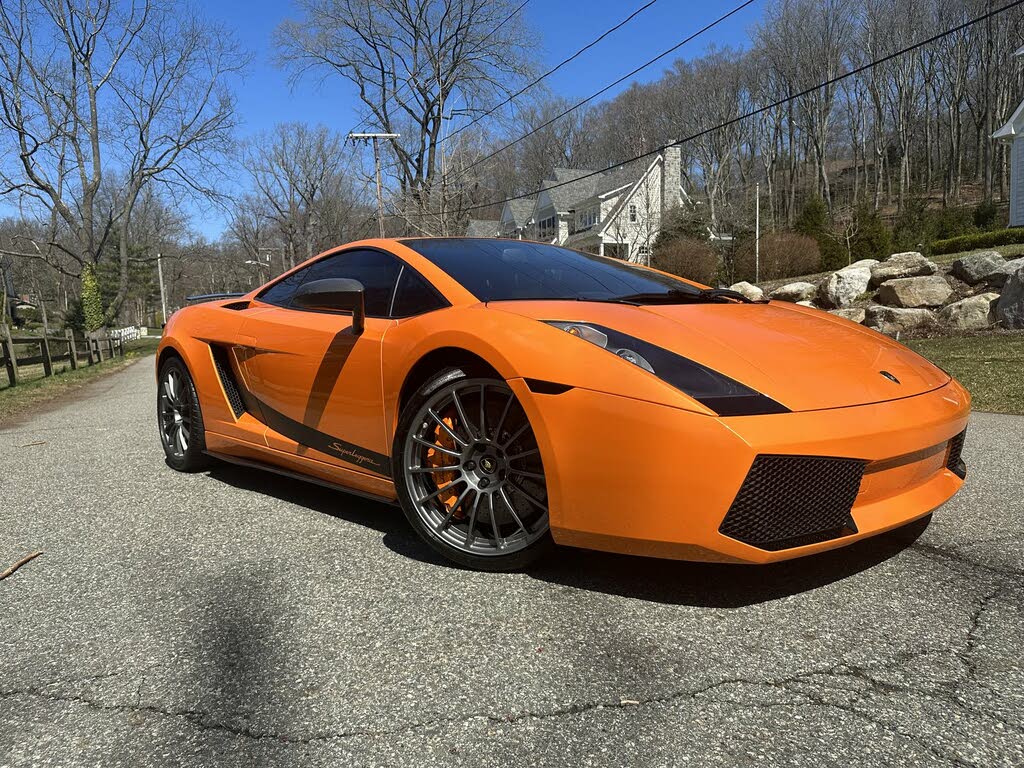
(20, 563)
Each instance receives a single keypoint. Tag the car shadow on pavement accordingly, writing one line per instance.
(386, 518)
(711, 585)
(718, 585)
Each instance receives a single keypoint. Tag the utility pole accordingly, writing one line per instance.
(163, 296)
(376, 137)
(757, 233)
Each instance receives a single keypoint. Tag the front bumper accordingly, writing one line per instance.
(641, 478)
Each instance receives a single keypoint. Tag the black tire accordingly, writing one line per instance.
(501, 501)
(180, 419)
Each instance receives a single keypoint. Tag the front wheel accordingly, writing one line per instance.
(469, 475)
(180, 419)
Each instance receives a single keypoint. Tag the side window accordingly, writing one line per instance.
(375, 270)
(415, 296)
(281, 292)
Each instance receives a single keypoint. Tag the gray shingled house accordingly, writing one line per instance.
(616, 212)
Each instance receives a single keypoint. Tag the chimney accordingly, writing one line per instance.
(671, 178)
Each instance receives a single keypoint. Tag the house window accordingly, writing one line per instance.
(546, 228)
(633, 217)
(588, 219)
(644, 250)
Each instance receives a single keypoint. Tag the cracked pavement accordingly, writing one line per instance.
(237, 618)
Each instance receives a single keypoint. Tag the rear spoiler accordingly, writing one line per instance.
(213, 296)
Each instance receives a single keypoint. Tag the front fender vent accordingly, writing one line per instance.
(792, 501)
(227, 380)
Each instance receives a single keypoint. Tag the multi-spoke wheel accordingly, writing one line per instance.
(469, 473)
(179, 418)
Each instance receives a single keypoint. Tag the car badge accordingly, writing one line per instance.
(890, 377)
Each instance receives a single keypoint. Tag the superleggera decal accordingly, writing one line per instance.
(321, 441)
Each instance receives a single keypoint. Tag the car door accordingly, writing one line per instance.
(317, 383)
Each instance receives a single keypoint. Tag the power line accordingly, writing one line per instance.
(406, 86)
(607, 88)
(767, 107)
(551, 71)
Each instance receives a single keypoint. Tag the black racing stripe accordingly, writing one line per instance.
(321, 441)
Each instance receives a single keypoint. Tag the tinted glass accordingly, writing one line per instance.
(502, 270)
(282, 291)
(375, 270)
(415, 296)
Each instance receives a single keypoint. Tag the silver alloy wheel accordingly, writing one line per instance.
(175, 413)
(477, 484)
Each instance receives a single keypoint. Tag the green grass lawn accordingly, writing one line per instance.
(34, 389)
(1007, 251)
(991, 366)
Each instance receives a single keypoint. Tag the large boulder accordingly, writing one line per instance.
(912, 292)
(976, 267)
(862, 264)
(1010, 309)
(998, 277)
(853, 314)
(900, 265)
(972, 313)
(752, 292)
(893, 321)
(795, 292)
(844, 287)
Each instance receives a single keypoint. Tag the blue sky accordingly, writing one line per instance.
(562, 26)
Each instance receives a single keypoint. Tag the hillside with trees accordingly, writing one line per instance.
(118, 121)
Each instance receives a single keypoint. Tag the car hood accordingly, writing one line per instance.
(803, 358)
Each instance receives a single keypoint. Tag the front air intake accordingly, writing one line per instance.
(792, 501)
(954, 460)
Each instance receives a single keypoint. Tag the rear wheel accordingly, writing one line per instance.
(180, 418)
(469, 473)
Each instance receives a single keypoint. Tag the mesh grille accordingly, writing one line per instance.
(227, 380)
(955, 462)
(792, 501)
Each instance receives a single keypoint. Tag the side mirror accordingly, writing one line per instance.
(337, 295)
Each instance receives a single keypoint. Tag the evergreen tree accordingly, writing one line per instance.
(92, 303)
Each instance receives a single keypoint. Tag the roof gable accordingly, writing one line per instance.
(1014, 126)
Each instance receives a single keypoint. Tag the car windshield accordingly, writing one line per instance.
(507, 270)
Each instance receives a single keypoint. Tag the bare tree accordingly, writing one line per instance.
(101, 99)
(301, 182)
(411, 61)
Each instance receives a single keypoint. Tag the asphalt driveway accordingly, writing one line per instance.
(236, 618)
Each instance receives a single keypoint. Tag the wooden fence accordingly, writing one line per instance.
(94, 348)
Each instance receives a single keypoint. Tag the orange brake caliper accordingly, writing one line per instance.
(440, 459)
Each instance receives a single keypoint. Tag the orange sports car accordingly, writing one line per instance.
(512, 395)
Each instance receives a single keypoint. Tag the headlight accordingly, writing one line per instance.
(723, 395)
(600, 338)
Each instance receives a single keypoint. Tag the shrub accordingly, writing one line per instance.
(783, 254)
(873, 239)
(980, 240)
(681, 222)
(687, 257)
(986, 215)
(813, 219)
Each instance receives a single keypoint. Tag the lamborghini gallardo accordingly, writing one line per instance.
(512, 396)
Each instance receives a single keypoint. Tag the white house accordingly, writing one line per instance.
(1013, 133)
(516, 217)
(616, 212)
